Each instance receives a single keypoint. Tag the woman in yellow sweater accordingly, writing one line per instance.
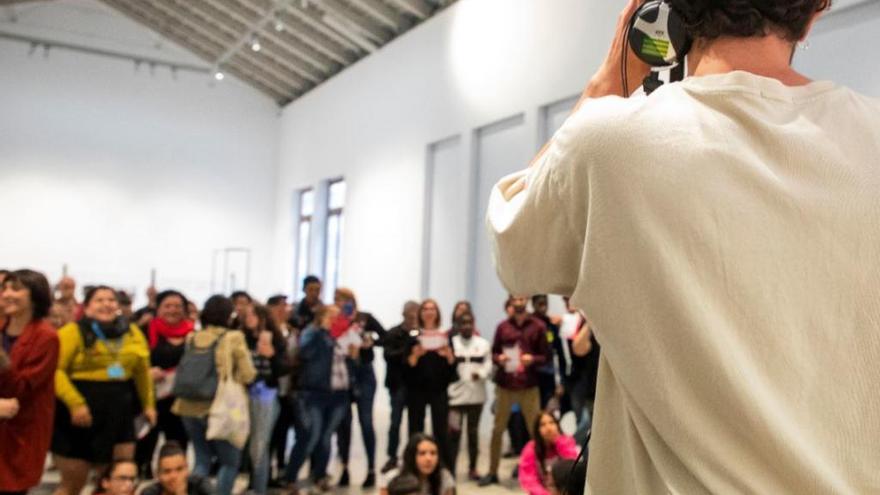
(101, 355)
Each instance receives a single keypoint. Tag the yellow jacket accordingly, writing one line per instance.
(75, 362)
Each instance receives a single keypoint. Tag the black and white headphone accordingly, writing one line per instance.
(658, 36)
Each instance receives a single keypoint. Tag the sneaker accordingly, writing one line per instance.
(343, 480)
(473, 475)
(489, 479)
(370, 482)
(391, 465)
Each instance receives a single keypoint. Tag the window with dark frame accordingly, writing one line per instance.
(304, 235)
(333, 245)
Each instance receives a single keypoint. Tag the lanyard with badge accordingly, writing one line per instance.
(115, 371)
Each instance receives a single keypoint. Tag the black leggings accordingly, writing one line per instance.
(457, 416)
(417, 401)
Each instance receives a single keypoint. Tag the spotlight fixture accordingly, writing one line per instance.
(218, 75)
(279, 26)
(255, 45)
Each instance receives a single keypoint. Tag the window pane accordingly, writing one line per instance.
(337, 195)
(307, 203)
(331, 267)
(302, 251)
(339, 247)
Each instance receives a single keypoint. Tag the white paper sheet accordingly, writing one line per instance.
(350, 338)
(514, 357)
(568, 327)
(433, 341)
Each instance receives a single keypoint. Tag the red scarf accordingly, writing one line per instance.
(160, 328)
(339, 326)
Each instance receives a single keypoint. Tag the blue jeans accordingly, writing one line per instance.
(362, 396)
(398, 404)
(323, 412)
(206, 450)
(583, 409)
(264, 412)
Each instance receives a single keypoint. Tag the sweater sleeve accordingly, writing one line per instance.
(69, 344)
(541, 346)
(34, 371)
(279, 362)
(243, 367)
(548, 200)
(496, 344)
(566, 447)
(374, 326)
(529, 478)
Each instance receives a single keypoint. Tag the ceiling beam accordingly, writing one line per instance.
(418, 8)
(315, 18)
(239, 32)
(286, 39)
(4, 3)
(382, 13)
(204, 49)
(364, 24)
(305, 32)
(181, 12)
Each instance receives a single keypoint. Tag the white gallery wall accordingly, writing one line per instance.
(422, 128)
(476, 64)
(115, 171)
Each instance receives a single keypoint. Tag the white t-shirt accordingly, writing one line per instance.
(723, 237)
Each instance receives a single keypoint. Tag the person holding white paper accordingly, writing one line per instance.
(473, 356)
(519, 348)
(430, 373)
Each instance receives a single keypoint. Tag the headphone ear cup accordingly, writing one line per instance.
(658, 34)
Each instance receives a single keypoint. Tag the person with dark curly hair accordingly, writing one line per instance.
(722, 234)
(28, 359)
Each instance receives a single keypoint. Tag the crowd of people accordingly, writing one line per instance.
(97, 384)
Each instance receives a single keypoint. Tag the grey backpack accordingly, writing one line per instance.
(196, 375)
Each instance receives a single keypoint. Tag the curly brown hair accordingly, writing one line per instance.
(710, 19)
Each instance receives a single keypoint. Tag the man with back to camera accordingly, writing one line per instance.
(722, 234)
(174, 477)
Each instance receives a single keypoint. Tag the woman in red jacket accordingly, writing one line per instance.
(30, 343)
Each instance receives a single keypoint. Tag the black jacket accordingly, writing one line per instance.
(396, 344)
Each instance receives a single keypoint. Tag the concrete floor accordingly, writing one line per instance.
(357, 468)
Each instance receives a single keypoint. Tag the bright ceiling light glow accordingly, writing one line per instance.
(486, 37)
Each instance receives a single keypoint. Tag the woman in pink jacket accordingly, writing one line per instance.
(539, 455)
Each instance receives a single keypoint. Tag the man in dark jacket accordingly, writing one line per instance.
(305, 311)
(395, 345)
